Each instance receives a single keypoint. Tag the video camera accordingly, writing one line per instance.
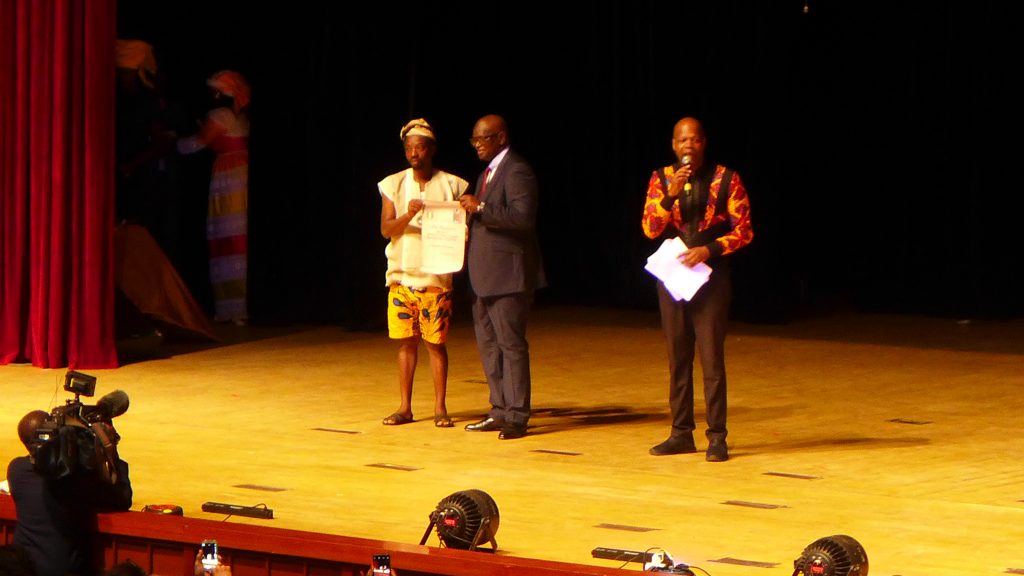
(76, 437)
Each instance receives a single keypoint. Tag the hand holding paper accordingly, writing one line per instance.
(682, 281)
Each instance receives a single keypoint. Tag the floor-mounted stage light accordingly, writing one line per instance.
(465, 520)
(837, 555)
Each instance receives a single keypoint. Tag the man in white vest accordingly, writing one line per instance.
(419, 303)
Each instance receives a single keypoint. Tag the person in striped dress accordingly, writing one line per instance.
(226, 132)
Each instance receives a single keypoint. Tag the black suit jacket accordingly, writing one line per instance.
(503, 254)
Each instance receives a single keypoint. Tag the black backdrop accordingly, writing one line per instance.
(876, 140)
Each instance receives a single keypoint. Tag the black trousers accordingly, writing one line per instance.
(500, 325)
(701, 322)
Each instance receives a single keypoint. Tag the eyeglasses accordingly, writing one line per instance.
(481, 139)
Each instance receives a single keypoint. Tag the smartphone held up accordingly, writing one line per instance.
(381, 564)
(210, 557)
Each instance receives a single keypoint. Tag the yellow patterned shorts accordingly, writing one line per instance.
(423, 312)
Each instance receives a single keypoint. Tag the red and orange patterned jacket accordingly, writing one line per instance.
(657, 218)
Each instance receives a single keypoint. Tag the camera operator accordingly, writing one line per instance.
(56, 516)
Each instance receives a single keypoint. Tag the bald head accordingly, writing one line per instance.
(490, 136)
(688, 141)
(29, 424)
(690, 124)
(493, 123)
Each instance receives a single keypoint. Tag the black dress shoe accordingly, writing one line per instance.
(485, 425)
(674, 446)
(512, 431)
(717, 451)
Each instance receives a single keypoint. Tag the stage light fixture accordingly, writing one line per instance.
(838, 555)
(465, 520)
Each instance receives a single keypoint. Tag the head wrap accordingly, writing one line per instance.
(417, 127)
(136, 55)
(233, 84)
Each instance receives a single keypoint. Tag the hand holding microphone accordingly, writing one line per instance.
(687, 160)
(681, 178)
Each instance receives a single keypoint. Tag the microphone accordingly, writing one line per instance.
(109, 407)
(687, 160)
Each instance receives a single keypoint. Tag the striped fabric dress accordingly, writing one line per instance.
(227, 217)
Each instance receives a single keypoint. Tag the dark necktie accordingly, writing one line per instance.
(483, 185)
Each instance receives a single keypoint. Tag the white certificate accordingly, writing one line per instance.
(444, 237)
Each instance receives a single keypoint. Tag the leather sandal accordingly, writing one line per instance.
(397, 419)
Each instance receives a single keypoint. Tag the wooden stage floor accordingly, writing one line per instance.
(901, 432)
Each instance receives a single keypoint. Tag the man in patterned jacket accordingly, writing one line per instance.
(706, 206)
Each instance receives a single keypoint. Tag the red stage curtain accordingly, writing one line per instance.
(57, 182)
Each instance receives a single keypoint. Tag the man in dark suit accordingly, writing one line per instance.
(504, 269)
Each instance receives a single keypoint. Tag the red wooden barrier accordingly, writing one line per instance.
(167, 545)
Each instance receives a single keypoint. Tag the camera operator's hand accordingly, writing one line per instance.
(108, 427)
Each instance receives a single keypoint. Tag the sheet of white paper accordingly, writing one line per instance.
(444, 237)
(681, 281)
